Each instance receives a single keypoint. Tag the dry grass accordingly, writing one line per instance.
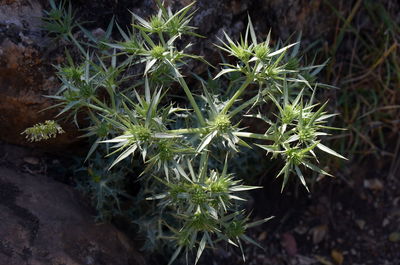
(365, 57)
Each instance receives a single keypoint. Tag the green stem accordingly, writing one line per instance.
(112, 97)
(188, 130)
(192, 101)
(101, 106)
(236, 95)
(253, 135)
(204, 166)
(98, 102)
(245, 105)
(76, 43)
(160, 35)
(89, 105)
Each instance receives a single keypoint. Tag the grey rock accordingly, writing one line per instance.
(43, 222)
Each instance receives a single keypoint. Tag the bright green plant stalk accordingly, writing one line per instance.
(238, 93)
(254, 135)
(192, 101)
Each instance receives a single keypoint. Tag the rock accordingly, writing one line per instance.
(43, 222)
(394, 237)
(373, 184)
(318, 233)
(360, 223)
(313, 18)
(337, 256)
(289, 243)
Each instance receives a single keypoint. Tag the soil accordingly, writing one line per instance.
(351, 219)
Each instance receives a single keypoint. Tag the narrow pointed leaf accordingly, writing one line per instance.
(330, 151)
(202, 245)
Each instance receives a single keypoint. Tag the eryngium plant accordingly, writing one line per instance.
(124, 88)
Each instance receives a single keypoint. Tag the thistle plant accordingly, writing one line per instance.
(183, 148)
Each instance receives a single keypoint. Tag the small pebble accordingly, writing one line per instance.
(31, 160)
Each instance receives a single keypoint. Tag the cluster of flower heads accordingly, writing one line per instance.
(43, 131)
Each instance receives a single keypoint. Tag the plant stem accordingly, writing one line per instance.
(236, 95)
(160, 35)
(188, 130)
(89, 105)
(253, 135)
(246, 104)
(192, 101)
(76, 43)
(112, 98)
(101, 106)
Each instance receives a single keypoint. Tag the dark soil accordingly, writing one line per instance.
(354, 217)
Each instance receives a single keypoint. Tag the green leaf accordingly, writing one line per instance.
(244, 187)
(330, 151)
(285, 175)
(252, 32)
(202, 245)
(149, 64)
(91, 150)
(157, 197)
(68, 107)
(206, 141)
(236, 198)
(175, 255)
(225, 71)
(259, 222)
(124, 155)
(301, 177)
(281, 50)
(315, 168)
(250, 240)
